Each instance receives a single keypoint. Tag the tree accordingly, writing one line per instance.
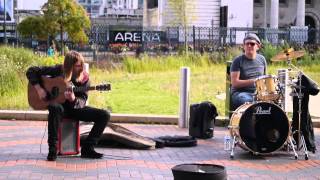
(179, 16)
(32, 27)
(66, 16)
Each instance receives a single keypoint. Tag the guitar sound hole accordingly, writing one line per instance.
(54, 92)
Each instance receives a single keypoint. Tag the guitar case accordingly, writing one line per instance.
(117, 133)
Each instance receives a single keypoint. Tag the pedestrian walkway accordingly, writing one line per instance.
(23, 151)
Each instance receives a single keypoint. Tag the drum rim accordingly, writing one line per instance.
(265, 76)
(237, 128)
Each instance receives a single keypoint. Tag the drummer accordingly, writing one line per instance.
(245, 69)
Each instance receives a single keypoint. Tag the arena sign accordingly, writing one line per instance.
(136, 36)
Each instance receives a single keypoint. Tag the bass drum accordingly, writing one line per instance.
(261, 127)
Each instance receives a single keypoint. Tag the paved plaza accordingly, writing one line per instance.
(23, 151)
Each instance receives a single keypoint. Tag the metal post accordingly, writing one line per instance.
(194, 37)
(86, 69)
(228, 106)
(184, 97)
(4, 23)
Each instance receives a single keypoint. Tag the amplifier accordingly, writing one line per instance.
(68, 137)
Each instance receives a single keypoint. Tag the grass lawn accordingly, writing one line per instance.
(157, 92)
(153, 92)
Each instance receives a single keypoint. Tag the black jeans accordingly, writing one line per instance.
(100, 118)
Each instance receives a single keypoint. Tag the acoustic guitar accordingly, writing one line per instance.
(55, 88)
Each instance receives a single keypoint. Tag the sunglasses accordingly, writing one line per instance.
(250, 43)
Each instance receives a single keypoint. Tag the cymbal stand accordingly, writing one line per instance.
(300, 96)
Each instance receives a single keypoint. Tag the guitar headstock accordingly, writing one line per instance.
(103, 87)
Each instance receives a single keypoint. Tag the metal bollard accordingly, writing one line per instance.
(228, 108)
(86, 69)
(184, 97)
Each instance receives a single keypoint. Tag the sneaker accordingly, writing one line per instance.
(89, 152)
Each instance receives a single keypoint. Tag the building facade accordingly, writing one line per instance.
(163, 13)
(286, 13)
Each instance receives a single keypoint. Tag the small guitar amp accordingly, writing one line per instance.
(68, 137)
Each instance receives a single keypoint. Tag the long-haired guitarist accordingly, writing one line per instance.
(74, 106)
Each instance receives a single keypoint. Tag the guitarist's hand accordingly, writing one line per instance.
(41, 92)
(69, 95)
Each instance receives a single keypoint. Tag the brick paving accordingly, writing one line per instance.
(22, 156)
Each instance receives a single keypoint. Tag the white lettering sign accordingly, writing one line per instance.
(137, 36)
(261, 111)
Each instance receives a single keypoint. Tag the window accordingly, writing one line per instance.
(258, 3)
(282, 1)
(309, 2)
(152, 4)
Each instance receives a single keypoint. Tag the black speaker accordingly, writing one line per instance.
(202, 119)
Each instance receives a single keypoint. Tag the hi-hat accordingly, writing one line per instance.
(287, 54)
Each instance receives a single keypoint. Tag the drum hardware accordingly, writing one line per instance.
(298, 93)
(288, 55)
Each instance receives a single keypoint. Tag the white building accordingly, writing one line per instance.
(159, 13)
(285, 13)
(240, 13)
(96, 8)
(30, 5)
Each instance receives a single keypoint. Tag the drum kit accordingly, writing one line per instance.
(262, 126)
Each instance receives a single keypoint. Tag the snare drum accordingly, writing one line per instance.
(261, 127)
(266, 89)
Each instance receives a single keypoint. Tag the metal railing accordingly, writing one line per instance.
(174, 38)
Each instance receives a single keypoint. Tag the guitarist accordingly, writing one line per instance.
(74, 107)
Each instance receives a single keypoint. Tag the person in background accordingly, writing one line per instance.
(50, 52)
(72, 70)
(245, 69)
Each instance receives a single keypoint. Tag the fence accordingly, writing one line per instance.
(103, 38)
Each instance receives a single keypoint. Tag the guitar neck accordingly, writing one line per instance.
(83, 89)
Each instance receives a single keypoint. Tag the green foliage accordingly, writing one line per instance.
(67, 16)
(14, 63)
(149, 85)
(49, 61)
(155, 64)
(33, 26)
(269, 50)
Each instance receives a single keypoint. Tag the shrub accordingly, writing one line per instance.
(14, 63)
(269, 50)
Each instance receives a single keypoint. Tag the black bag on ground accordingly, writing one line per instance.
(202, 119)
(178, 141)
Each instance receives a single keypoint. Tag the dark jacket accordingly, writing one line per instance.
(35, 73)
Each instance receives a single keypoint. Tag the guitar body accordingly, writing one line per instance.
(56, 86)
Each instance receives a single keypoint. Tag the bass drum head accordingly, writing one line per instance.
(264, 127)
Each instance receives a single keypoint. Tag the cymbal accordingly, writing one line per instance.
(288, 54)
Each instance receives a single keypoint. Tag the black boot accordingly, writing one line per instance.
(89, 152)
(52, 155)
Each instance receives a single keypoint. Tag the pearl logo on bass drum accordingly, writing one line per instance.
(261, 111)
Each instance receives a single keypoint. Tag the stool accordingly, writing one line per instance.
(68, 137)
